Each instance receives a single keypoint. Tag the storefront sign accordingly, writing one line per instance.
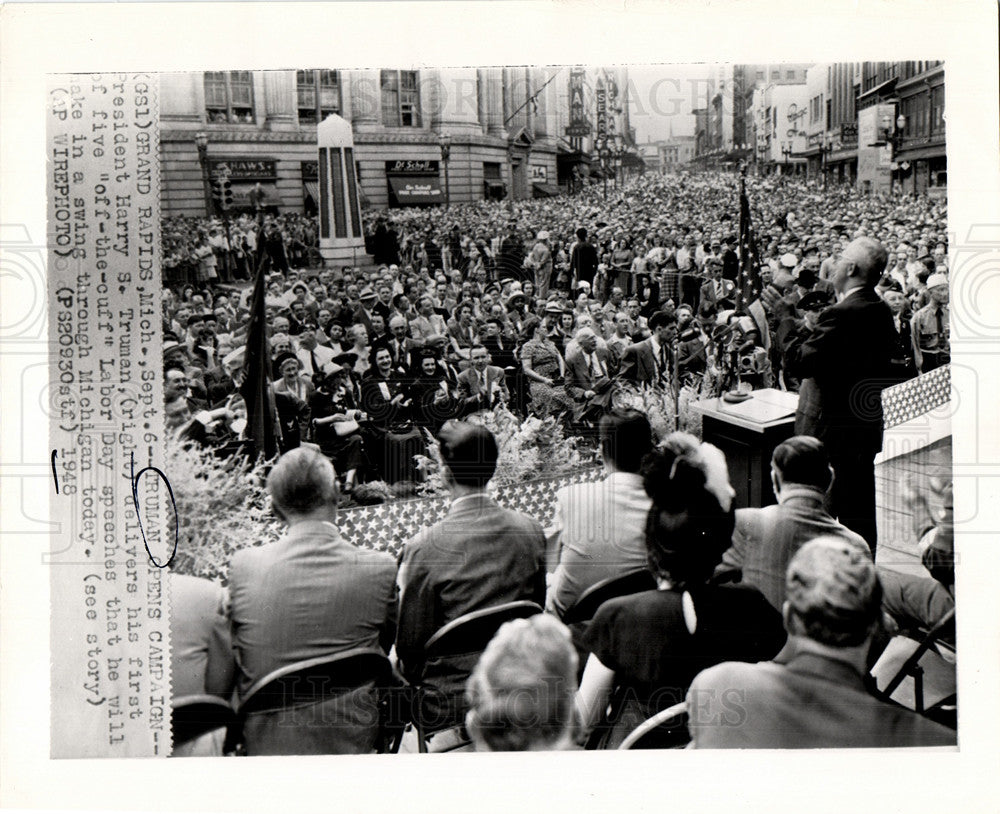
(237, 169)
(578, 124)
(601, 98)
(411, 167)
(874, 154)
(310, 170)
(539, 175)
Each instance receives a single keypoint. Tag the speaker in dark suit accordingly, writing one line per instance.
(848, 357)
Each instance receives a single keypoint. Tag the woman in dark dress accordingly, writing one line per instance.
(647, 648)
(336, 422)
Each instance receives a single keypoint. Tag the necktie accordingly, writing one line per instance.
(940, 328)
(315, 364)
(595, 371)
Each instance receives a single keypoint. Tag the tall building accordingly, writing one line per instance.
(452, 134)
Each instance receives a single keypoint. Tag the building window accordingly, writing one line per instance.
(229, 97)
(317, 95)
(937, 110)
(760, 75)
(400, 99)
(775, 74)
(790, 75)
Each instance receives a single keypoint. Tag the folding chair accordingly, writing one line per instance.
(931, 661)
(451, 654)
(326, 705)
(665, 730)
(192, 716)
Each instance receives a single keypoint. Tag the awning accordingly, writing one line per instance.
(312, 190)
(546, 190)
(493, 183)
(936, 151)
(413, 190)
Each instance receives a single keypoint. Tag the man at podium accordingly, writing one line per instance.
(848, 358)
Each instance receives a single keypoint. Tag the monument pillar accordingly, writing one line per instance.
(341, 235)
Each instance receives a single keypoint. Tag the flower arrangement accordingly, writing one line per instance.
(657, 405)
(528, 449)
(221, 508)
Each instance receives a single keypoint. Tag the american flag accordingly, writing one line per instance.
(748, 282)
(262, 427)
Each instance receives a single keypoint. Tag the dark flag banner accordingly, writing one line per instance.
(256, 388)
(748, 282)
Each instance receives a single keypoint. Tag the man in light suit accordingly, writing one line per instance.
(308, 595)
(813, 694)
(601, 527)
(481, 386)
(848, 357)
(201, 652)
(765, 540)
(479, 556)
(651, 361)
(589, 372)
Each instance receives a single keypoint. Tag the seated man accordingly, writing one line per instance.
(917, 603)
(481, 386)
(201, 652)
(480, 555)
(766, 539)
(589, 372)
(601, 527)
(308, 595)
(812, 695)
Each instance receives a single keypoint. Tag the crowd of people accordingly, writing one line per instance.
(547, 307)
(552, 308)
(746, 616)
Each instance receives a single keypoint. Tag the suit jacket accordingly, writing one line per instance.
(580, 377)
(848, 356)
(377, 395)
(310, 594)
(480, 555)
(472, 394)
(801, 700)
(639, 363)
(601, 531)
(765, 540)
(201, 651)
(323, 357)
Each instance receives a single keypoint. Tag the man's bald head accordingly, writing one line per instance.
(868, 258)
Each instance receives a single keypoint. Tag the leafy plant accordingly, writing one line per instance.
(221, 508)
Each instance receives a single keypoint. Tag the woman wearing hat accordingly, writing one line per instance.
(292, 394)
(337, 423)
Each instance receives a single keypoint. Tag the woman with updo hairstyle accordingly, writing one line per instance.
(645, 649)
(521, 693)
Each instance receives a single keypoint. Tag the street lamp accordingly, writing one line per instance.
(201, 142)
(445, 143)
(786, 151)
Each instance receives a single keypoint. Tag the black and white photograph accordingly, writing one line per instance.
(406, 405)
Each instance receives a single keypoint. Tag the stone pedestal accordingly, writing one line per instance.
(341, 236)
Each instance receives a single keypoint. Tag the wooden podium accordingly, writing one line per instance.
(747, 433)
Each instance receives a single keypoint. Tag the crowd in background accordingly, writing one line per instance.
(546, 306)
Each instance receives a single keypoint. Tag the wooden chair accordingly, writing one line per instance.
(451, 652)
(665, 730)
(325, 705)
